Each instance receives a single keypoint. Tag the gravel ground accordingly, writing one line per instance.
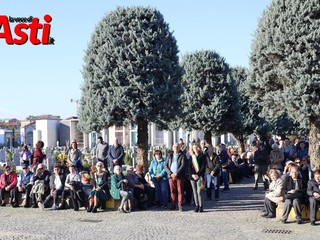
(235, 216)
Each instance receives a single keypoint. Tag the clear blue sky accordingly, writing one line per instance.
(37, 79)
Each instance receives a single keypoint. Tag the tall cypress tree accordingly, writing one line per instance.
(131, 74)
(285, 65)
(210, 96)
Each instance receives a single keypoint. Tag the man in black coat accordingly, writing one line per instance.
(313, 192)
(293, 192)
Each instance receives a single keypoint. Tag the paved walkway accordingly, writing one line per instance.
(235, 216)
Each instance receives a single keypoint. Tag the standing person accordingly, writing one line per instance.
(276, 157)
(74, 156)
(159, 177)
(24, 185)
(203, 145)
(261, 161)
(8, 182)
(293, 192)
(38, 156)
(224, 163)
(197, 167)
(100, 192)
(183, 146)
(175, 168)
(57, 182)
(102, 152)
(313, 192)
(116, 155)
(25, 155)
(212, 173)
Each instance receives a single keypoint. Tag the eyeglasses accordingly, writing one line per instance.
(99, 165)
(298, 162)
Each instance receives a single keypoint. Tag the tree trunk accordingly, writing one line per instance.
(240, 143)
(142, 150)
(314, 145)
(208, 137)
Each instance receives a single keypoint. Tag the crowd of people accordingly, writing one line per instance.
(177, 178)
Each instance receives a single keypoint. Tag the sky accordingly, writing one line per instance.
(42, 79)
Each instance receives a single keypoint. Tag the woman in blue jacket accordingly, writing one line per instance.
(159, 178)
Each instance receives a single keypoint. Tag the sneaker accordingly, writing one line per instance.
(180, 209)
(90, 209)
(54, 207)
(15, 205)
(41, 205)
(283, 221)
(299, 221)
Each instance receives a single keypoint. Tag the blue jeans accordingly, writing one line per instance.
(225, 179)
(161, 187)
(216, 182)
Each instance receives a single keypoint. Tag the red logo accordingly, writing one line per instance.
(25, 29)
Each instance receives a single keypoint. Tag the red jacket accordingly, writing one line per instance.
(13, 180)
(38, 156)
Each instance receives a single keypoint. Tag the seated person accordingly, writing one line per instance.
(119, 187)
(24, 185)
(100, 192)
(41, 188)
(72, 185)
(293, 192)
(273, 196)
(136, 187)
(149, 192)
(313, 192)
(8, 181)
(57, 181)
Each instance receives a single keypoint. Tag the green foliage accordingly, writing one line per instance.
(210, 97)
(128, 159)
(285, 70)
(131, 71)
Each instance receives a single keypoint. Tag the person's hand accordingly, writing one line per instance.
(173, 175)
(20, 189)
(212, 173)
(125, 180)
(292, 191)
(115, 161)
(316, 195)
(98, 188)
(195, 177)
(7, 188)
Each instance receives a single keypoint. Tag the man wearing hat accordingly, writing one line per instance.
(24, 186)
(8, 181)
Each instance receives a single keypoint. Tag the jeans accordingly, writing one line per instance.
(161, 187)
(225, 179)
(216, 183)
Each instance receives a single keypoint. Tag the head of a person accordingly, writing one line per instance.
(316, 175)
(116, 142)
(25, 168)
(130, 170)
(274, 174)
(176, 148)
(139, 168)
(196, 148)
(157, 154)
(298, 162)
(181, 141)
(203, 144)
(261, 146)
(74, 145)
(294, 172)
(7, 170)
(72, 168)
(56, 168)
(222, 147)
(304, 160)
(40, 167)
(302, 145)
(286, 142)
(117, 170)
(210, 149)
(275, 146)
(100, 139)
(25, 148)
(99, 166)
(39, 144)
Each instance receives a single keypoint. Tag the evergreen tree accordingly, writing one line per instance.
(131, 74)
(285, 70)
(249, 111)
(210, 96)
